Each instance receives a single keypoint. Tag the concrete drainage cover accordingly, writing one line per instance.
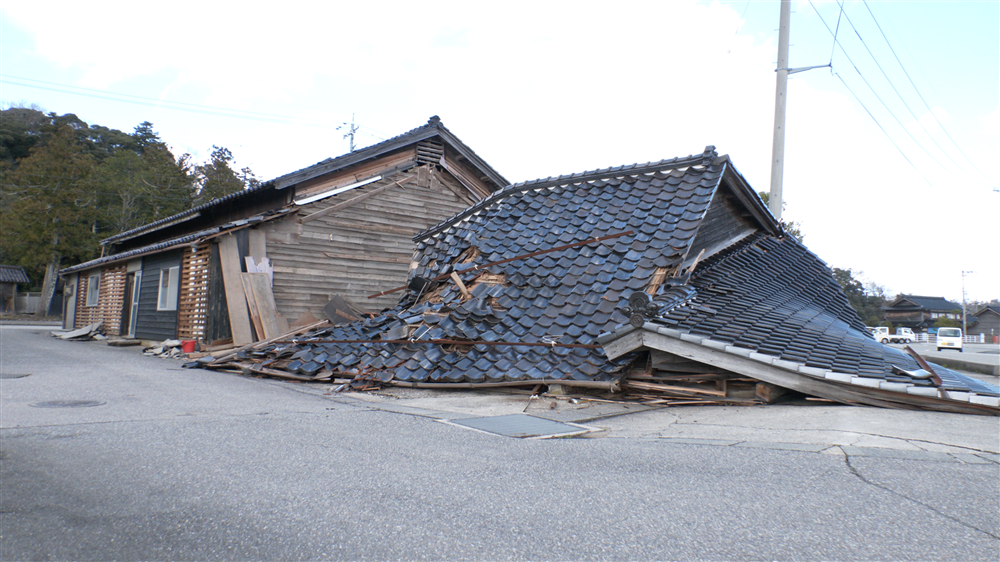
(523, 426)
(67, 404)
(14, 375)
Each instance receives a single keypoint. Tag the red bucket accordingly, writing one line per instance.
(187, 346)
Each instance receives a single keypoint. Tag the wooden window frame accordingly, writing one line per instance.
(93, 290)
(166, 300)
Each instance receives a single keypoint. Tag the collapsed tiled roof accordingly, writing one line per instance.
(773, 297)
(567, 297)
(13, 274)
(688, 231)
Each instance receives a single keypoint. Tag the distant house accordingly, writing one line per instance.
(10, 276)
(343, 226)
(986, 322)
(920, 313)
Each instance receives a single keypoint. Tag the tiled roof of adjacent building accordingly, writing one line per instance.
(13, 274)
(936, 304)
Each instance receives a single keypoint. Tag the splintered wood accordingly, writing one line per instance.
(669, 379)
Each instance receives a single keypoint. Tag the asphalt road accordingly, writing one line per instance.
(198, 465)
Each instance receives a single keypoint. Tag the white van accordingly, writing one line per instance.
(949, 338)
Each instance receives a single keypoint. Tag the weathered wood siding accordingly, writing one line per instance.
(155, 324)
(363, 249)
(723, 221)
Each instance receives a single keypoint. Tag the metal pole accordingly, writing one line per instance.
(778, 148)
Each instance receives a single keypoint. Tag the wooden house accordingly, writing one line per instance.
(343, 226)
(986, 322)
(920, 313)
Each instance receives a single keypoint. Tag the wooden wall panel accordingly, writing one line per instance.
(354, 252)
(110, 298)
(155, 324)
(192, 305)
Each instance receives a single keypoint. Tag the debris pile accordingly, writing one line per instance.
(93, 331)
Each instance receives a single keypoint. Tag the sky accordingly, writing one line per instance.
(887, 153)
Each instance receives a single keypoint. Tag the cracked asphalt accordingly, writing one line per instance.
(175, 464)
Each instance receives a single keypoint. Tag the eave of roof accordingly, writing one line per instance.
(433, 128)
(175, 242)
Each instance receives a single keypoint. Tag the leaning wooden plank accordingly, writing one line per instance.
(252, 303)
(239, 317)
(261, 285)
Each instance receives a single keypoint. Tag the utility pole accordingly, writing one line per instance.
(964, 273)
(352, 128)
(780, 94)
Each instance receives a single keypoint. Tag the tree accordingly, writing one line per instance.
(867, 299)
(793, 228)
(140, 182)
(49, 209)
(216, 177)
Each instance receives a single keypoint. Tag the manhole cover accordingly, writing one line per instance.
(67, 404)
(523, 425)
(14, 375)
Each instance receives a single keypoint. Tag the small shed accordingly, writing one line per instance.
(10, 277)
(343, 227)
(987, 323)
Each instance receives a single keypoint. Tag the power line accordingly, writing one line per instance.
(162, 104)
(917, 90)
(893, 86)
(879, 98)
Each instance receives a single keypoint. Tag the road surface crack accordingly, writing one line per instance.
(856, 472)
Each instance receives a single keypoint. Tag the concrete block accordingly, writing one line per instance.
(786, 365)
(669, 332)
(738, 350)
(690, 338)
(864, 381)
(839, 377)
(894, 386)
(714, 344)
(985, 400)
(956, 395)
(923, 391)
(812, 371)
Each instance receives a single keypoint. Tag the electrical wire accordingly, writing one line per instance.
(893, 86)
(837, 74)
(921, 96)
(879, 98)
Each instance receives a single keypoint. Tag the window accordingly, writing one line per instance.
(169, 281)
(93, 289)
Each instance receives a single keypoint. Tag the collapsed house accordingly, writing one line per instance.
(247, 265)
(666, 282)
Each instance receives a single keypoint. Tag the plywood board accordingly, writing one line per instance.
(251, 301)
(258, 245)
(239, 317)
(261, 284)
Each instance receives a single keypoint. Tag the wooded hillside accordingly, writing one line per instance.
(65, 185)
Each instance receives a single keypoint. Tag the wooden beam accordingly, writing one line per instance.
(251, 301)
(260, 284)
(823, 388)
(461, 286)
(356, 200)
(239, 317)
